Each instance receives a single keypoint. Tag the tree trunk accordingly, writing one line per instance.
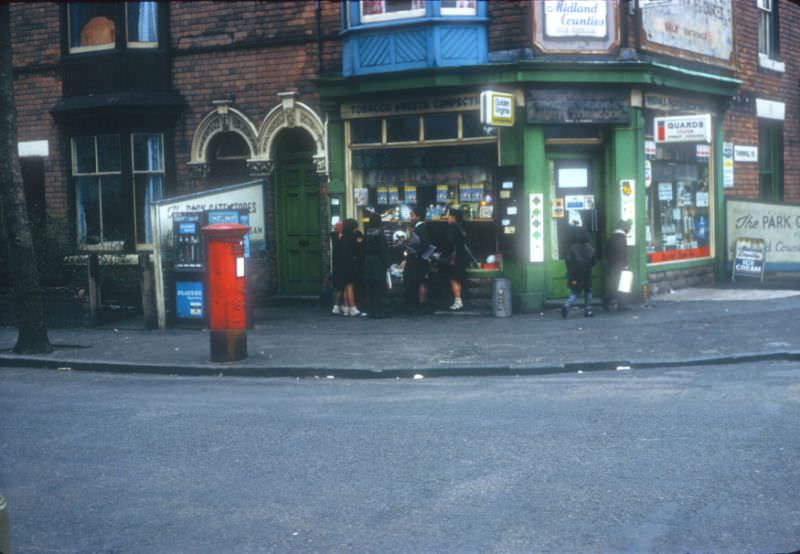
(31, 328)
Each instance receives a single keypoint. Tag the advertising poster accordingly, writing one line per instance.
(778, 225)
(690, 29)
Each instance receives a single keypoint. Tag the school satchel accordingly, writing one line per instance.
(625, 284)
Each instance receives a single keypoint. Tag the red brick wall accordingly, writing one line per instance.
(36, 47)
(741, 123)
(509, 25)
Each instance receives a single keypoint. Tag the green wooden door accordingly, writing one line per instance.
(298, 224)
(576, 179)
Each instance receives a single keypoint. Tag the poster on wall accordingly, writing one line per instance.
(628, 207)
(778, 225)
(536, 227)
(690, 29)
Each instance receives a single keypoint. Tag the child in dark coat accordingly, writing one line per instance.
(580, 258)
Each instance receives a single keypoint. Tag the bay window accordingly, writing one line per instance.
(115, 187)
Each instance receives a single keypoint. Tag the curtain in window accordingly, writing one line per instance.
(154, 189)
(147, 23)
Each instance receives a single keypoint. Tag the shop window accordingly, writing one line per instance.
(94, 25)
(105, 187)
(148, 180)
(768, 28)
(366, 131)
(441, 126)
(402, 129)
(678, 203)
(473, 128)
(770, 162)
(386, 10)
(459, 7)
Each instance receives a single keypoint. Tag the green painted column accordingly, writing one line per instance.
(628, 160)
(719, 216)
(528, 279)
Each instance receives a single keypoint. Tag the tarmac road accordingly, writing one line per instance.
(661, 460)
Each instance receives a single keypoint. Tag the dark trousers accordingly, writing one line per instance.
(610, 294)
(375, 296)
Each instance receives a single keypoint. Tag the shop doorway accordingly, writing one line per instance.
(297, 213)
(577, 193)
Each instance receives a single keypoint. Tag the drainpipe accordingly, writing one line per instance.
(319, 37)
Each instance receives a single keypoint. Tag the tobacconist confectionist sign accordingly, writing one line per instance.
(556, 106)
(696, 29)
(778, 225)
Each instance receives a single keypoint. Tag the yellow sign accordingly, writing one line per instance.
(497, 108)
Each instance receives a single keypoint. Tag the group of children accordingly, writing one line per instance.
(581, 256)
(364, 259)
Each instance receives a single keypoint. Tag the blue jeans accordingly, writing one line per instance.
(573, 298)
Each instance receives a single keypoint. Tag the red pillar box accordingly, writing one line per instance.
(227, 300)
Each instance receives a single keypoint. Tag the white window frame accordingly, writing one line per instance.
(135, 173)
(404, 14)
(103, 244)
(460, 11)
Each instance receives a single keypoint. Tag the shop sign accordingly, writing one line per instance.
(749, 259)
(584, 18)
(693, 29)
(777, 225)
(189, 299)
(668, 103)
(684, 128)
(745, 154)
(727, 165)
(558, 106)
(246, 196)
(497, 108)
(650, 149)
(536, 227)
(628, 207)
(378, 108)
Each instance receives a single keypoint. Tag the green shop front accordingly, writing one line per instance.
(590, 144)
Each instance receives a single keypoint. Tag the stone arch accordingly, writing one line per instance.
(222, 119)
(291, 114)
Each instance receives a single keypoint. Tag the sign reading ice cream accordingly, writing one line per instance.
(575, 18)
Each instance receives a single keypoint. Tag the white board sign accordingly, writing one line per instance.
(249, 196)
(727, 165)
(683, 128)
(584, 18)
(778, 225)
(745, 154)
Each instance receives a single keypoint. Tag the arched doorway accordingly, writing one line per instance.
(297, 213)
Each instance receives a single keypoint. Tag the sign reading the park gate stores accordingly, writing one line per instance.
(575, 18)
(777, 225)
(685, 128)
(555, 106)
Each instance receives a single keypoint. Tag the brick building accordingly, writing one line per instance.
(337, 105)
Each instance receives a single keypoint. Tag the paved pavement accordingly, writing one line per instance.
(689, 327)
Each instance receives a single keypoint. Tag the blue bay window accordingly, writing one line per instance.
(395, 35)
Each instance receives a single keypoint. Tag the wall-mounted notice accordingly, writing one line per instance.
(536, 227)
